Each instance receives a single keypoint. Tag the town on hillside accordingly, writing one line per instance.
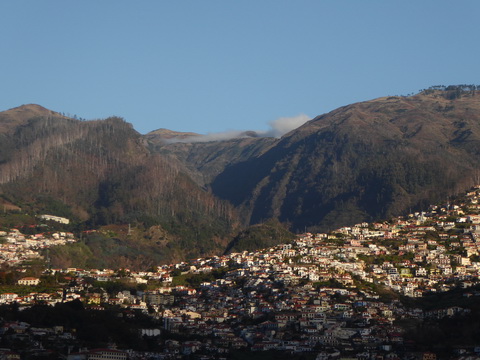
(407, 288)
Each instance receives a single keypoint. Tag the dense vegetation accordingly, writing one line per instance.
(258, 236)
(139, 248)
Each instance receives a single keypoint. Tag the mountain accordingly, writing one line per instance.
(361, 162)
(101, 172)
(364, 161)
(205, 160)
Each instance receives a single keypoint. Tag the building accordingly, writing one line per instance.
(55, 218)
(106, 354)
(31, 281)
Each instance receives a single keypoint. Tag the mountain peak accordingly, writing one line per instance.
(29, 109)
(20, 115)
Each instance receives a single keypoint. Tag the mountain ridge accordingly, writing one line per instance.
(361, 162)
(400, 149)
(100, 172)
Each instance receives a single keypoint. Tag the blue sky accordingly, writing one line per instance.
(211, 66)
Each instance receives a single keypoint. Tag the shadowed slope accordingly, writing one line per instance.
(361, 162)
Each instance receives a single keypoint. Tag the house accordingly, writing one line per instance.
(429, 356)
(9, 355)
(59, 219)
(7, 297)
(30, 281)
(106, 354)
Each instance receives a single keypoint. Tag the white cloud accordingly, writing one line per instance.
(283, 125)
(277, 128)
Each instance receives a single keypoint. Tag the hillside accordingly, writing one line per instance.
(361, 162)
(100, 172)
(259, 236)
(205, 160)
(364, 161)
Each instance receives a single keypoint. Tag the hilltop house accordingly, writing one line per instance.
(31, 281)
